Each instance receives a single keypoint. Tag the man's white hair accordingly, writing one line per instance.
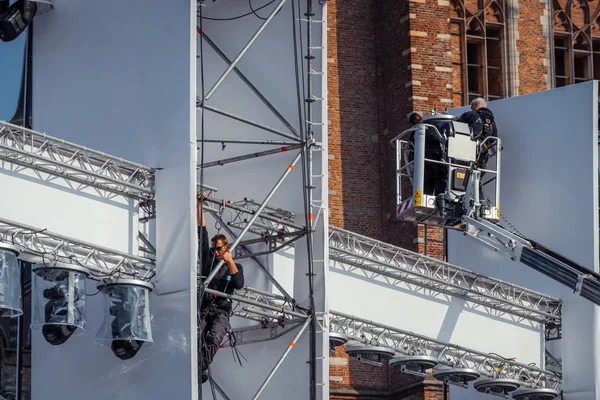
(479, 101)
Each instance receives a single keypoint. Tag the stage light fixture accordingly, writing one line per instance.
(126, 327)
(16, 17)
(10, 282)
(59, 301)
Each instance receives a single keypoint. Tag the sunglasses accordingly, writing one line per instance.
(218, 248)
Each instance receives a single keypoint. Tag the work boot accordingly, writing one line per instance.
(204, 376)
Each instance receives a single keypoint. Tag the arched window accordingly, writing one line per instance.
(576, 34)
(478, 49)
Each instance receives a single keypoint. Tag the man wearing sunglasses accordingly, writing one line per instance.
(215, 311)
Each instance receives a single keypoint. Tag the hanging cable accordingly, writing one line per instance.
(254, 11)
(239, 16)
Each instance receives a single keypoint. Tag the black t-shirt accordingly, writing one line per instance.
(223, 281)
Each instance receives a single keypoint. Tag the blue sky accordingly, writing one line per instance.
(11, 66)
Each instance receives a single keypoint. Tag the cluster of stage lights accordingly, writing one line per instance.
(59, 304)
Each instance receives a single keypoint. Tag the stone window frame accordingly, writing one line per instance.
(579, 42)
(475, 27)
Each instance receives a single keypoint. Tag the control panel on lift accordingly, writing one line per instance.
(439, 173)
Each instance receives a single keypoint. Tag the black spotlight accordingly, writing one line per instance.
(123, 303)
(15, 18)
(59, 301)
(57, 310)
(127, 317)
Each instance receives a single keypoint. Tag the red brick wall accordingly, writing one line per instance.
(531, 46)
(353, 380)
(354, 160)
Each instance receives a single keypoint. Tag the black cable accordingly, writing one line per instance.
(298, 91)
(239, 16)
(254, 11)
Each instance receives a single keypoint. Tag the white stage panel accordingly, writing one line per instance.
(550, 194)
(119, 77)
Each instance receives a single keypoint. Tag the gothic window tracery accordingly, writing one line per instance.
(576, 28)
(478, 49)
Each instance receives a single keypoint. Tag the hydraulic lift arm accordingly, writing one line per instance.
(581, 280)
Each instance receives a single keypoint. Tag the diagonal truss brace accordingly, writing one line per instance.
(57, 157)
(376, 258)
(55, 247)
(409, 343)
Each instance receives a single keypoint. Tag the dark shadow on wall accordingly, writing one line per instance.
(353, 109)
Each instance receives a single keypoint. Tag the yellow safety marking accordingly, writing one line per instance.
(460, 175)
(418, 195)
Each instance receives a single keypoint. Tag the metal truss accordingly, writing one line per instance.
(57, 157)
(408, 343)
(101, 261)
(397, 266)
(271, 312)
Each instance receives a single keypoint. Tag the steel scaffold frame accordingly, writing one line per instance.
(267, 308)
(57, 157)
(53, 247)
(274, 227)
(398, 265)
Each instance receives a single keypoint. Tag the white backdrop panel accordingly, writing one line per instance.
(549, 192)
(269, 65)
(107, 75)
(439, 317)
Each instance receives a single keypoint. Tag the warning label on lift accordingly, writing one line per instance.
(418, 196)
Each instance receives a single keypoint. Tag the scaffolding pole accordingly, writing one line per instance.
(237, 59)
(249, 84)
(265, 271)
(250, 156)
(280, 361)
(254, 217)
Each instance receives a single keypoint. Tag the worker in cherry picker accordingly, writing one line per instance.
(482, 122)
(435, 175)
(215, 311)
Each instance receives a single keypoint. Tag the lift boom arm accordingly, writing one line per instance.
(580, 279)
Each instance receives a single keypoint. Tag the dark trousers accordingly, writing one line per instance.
(215, 325)
(435, 177)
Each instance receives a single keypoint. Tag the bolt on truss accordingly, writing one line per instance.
(408, 343)
(101, 261)
(273, 226)
(397, 265)
(57, 157)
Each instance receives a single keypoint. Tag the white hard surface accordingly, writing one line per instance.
(549, 192)
(118, 77)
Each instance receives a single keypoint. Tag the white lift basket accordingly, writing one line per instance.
(447, 147)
